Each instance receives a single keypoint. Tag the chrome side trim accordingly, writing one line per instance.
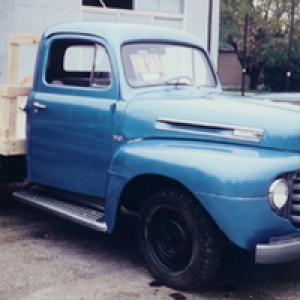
(230, 132)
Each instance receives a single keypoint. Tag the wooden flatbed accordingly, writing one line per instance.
(13, 97)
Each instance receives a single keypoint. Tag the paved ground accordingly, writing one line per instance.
(43, 257)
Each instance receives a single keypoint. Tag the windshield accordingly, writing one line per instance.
(148, 64)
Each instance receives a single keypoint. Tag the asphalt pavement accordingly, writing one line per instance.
(43, 257)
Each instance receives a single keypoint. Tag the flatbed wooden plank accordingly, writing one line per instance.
(12, 119)
(13, 64)
(15, 41)
(13, 95)
(23, 39)
(10, 147)
(10, 91)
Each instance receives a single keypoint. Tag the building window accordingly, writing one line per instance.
(121, 4)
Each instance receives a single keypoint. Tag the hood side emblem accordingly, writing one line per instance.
(210, 129)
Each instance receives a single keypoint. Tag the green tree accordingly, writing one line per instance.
(268, 23)
(275, 59)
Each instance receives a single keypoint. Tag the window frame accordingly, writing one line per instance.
(58, 76)
(111, 4)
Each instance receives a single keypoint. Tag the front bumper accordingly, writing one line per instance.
(279, 250)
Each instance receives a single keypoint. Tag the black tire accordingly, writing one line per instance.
(180, 242)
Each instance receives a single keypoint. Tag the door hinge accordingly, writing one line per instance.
(113, 108)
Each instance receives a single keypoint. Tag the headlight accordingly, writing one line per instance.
(278, 193)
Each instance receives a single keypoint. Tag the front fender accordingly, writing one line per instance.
(230, 181)
(227, 170)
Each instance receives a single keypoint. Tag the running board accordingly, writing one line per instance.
(83, 215)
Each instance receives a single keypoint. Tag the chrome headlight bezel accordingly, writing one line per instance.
(278, 194)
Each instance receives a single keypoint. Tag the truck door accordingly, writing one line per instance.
(70, 116)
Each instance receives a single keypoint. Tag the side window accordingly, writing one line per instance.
(78, 64)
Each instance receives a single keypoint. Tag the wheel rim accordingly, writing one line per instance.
(169, 239)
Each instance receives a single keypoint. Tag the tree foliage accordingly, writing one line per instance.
(267, 31)
(275, 59)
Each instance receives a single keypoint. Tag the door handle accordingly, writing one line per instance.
(39, 105)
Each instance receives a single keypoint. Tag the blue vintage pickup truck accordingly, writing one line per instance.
(133, 118)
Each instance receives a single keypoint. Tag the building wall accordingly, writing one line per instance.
(189, 15)
(230, 70)
(33, 17)
(197, 23)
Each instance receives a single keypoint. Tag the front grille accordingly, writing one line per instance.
(295, 200)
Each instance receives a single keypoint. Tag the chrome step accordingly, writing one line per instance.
(83, 215)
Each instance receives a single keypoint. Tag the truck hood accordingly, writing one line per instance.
(178, 114)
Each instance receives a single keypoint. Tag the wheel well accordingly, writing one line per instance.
(139, 188)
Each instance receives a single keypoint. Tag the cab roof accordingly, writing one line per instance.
(119, 33)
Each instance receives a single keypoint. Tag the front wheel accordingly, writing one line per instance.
(180, 242)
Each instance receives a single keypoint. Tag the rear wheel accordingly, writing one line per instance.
(180, 242)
